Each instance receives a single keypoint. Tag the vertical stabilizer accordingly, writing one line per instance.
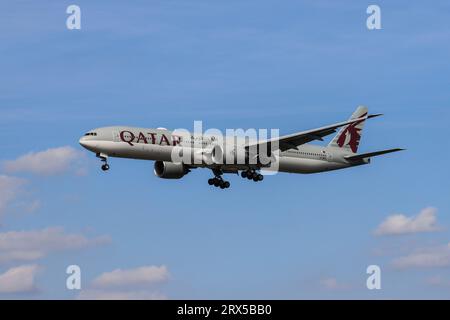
(349, 136)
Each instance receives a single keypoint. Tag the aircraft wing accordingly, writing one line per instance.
(294, 140)
(371, 154)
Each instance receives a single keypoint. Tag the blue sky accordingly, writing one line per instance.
(293, 65)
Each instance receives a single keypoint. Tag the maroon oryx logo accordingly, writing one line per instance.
(354, 133)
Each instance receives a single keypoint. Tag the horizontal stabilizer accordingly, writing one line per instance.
(371, 154)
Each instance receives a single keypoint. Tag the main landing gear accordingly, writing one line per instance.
(218, 181)
(104, 159)
(252, 175)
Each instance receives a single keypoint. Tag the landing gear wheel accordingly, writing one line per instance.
(218, 181)
(252, 174)
(105, 167)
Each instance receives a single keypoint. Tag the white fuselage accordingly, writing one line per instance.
(159, 144)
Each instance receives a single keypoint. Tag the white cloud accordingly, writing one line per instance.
(19, 279)
(129, 284)
(332, 284)
(438, 281)
(36, 244)
(425, 258)
(143, 276)
(396, 224)
(10, 187)
(49, 162)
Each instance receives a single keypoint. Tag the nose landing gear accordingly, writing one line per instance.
(252, 175)
(104, 159)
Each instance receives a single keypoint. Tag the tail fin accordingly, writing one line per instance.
(349, 136)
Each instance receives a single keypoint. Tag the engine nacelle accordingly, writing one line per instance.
(170, 170)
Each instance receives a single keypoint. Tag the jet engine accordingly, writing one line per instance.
(170, 170)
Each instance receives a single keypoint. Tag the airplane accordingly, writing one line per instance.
(291, 153)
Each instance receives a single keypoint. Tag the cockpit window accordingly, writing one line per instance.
(91, 134)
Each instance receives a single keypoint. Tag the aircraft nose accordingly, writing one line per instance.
(83, 142)
(88, 144)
